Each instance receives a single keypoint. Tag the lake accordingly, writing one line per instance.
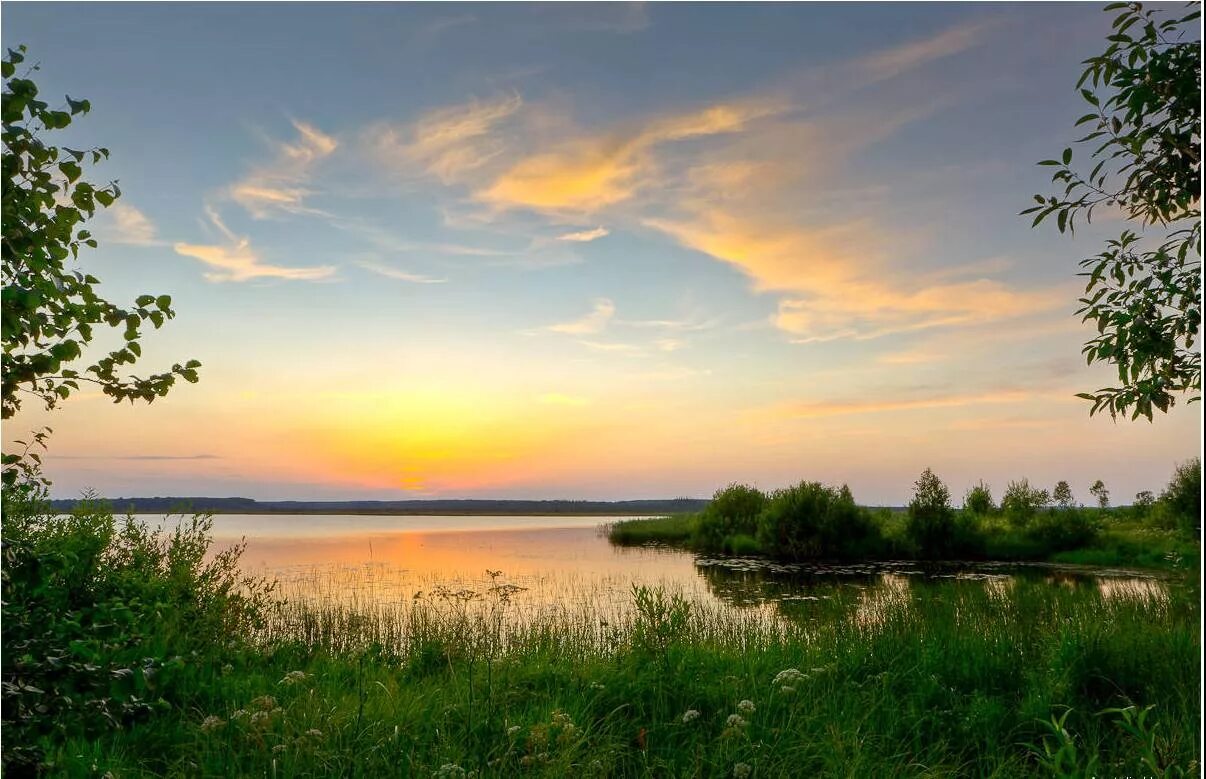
(566, 564)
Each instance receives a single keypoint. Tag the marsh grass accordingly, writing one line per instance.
(951, 679)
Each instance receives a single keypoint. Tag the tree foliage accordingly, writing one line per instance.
(978, 499)
(50, 310)
(1062, 495)
(1144, 290)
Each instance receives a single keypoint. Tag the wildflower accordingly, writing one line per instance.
(259, 716)
(211, 723)
(561, 719)
(293, 677)
(314, 733)
(690, 715)
(598, 686)
(238, 714)
(279, 748)
(450, 771)
(746, 707)
(742, 771)
(789, 676)
(735, 721)
(264, 703)
(511, 731)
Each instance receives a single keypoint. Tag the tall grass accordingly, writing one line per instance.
(947, 680)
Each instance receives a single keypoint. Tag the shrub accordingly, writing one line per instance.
(978, 500)
(811, 520)
(733, 511)
(1022, 502)
(98, 616)
(1060, 531)
(1182, 498)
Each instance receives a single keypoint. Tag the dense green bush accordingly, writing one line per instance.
(1182, 498)
(733, 512)
(978, 500)
(1021, 502)
(812, 520)
(1059, 530)
(99, 617)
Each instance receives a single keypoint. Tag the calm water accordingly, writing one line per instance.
(566, 563)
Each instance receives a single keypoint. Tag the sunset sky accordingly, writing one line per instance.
(455, 250)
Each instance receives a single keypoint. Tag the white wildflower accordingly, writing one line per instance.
(293, 677)
(790, 676)
(279, 748)
(742, 771)
(211, 723)
(746, 707)
(314, 733)
(735, 721)
(690, 715)
(450, 771)
(511, 731)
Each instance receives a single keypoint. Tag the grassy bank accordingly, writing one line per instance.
(129, 653)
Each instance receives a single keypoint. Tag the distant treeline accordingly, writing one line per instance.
(502, 507)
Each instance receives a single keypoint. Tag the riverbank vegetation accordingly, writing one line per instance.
(811, 521)
(130, 653)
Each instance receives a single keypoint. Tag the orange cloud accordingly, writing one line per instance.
(588, 174)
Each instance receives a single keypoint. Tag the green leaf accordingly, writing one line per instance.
(1067, 156)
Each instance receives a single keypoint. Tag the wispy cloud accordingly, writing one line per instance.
(400, 275)
(449, 142)
(814, 409)
(586, 174)
(894, 61)
(281, 185)
(130, 226)
(585, 236)
(594, 322)
(237, 261)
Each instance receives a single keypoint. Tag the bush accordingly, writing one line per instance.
(1182, 498)
(733, 511)
(1063, 530)
(1022, 502)
(978, 500)
(811, 520)
(98, 617)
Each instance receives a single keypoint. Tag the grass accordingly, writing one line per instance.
(951, 680)
(133, 653)
(673, 530)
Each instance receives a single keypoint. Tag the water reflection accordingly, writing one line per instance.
(535, 567)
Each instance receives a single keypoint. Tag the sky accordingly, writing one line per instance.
(587, 251)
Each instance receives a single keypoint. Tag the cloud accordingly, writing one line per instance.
(236, 261)
(585, 236)
(280, 186)
(130, 226)
(586, 174)
(593, 322)
(812, 410)
(401, 275)
(905, 57)
(449, 142)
